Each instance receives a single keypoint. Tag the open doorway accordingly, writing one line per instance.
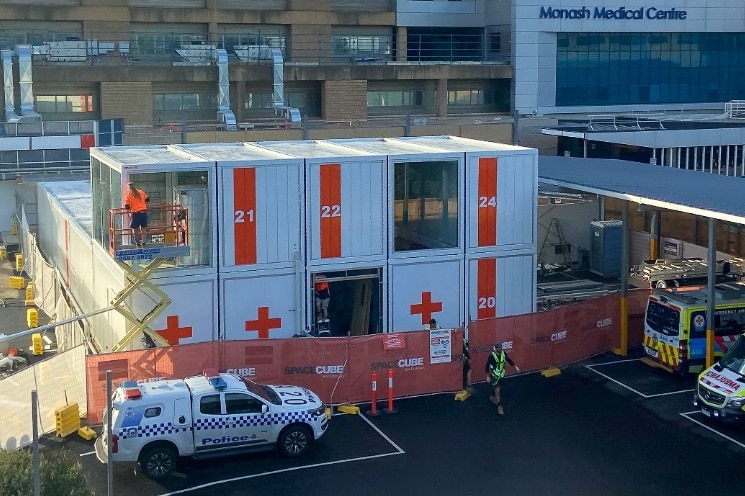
(347, 302)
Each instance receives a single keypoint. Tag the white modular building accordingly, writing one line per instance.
(401, 230)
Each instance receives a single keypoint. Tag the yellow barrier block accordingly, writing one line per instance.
(30, 291)
(14, 229)
(354, 410)
(462, 395)
(16, 282)
(87, 433)
(19, 262)
(550, 372)
(67, 420)
(37, 345)
(3, 253)
(32, 318)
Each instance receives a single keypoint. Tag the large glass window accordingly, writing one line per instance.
(648, 68)
(425, 205)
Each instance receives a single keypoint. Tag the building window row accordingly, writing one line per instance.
(649, 68)
(395, 98)
(185, 102)
(64, 104)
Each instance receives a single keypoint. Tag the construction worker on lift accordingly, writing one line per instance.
(495, 373)
(135, 201)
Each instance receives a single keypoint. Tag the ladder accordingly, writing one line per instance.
(556, 235)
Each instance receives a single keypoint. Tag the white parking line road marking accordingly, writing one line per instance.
(399, 451)
(382, 435)
(645, 396)
(89, 453)
(617, 361)
(273, 472)
(617, 382)
(686, 415)
(671, 392)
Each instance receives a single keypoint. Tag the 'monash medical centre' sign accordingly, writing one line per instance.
(620, 13)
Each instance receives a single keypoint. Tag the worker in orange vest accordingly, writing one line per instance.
(322, 297)
(136, 202)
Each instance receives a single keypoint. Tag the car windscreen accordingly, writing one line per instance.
(262, 391)
(734, 359)
(662, 318)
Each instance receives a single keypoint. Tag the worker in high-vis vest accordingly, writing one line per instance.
(495, 372)
(136, 202)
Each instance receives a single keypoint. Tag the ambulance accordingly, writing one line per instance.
(675, 325)
(213, 414)
(720, 389)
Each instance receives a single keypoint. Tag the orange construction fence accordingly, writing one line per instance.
(337, 369)
(340, 369)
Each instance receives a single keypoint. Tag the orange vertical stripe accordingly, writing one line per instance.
(486, 289)
(487, 201)
(330, 210)
(244, 215)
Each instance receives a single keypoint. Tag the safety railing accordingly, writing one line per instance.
(255, 46)
(166, 234)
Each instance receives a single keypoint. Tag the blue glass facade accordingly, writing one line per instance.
(649, 68)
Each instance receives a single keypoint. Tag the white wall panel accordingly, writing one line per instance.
(260, 306)
(192, 315)
(424, 289)
(55, 142)
(502, 199)
(346, 205)
(501, 286)
(261, 221)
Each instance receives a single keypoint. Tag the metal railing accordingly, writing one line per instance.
(196, 48)
(47, 128)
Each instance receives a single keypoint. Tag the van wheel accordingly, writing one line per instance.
(158, 462)
(295, 440)
(662, 284)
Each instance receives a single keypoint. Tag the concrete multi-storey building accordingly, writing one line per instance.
(158, 61)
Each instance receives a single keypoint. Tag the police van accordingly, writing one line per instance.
(720, 389)
(213, 414)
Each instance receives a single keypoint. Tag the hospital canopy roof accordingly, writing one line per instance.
(694, 192)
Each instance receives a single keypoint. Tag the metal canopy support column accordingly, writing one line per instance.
(654, 236)
(710, 295)
(138, 280)
(623, 350)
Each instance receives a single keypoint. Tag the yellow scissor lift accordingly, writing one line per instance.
(167, 237)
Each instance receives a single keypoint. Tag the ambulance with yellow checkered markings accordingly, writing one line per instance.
(213, 414)
(675, 326)
(720, 389)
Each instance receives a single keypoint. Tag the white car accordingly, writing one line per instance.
(213, 414)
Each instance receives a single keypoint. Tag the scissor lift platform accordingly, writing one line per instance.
(167, 234)
(166, 237)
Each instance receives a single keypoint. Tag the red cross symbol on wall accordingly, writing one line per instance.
(427, 307)
(263, 323)
(173, 333)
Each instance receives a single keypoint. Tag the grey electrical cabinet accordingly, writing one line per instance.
(605, 247)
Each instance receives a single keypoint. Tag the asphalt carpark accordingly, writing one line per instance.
(607, 426)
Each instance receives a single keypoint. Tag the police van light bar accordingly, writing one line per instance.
(213, 377)
(131, 390)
